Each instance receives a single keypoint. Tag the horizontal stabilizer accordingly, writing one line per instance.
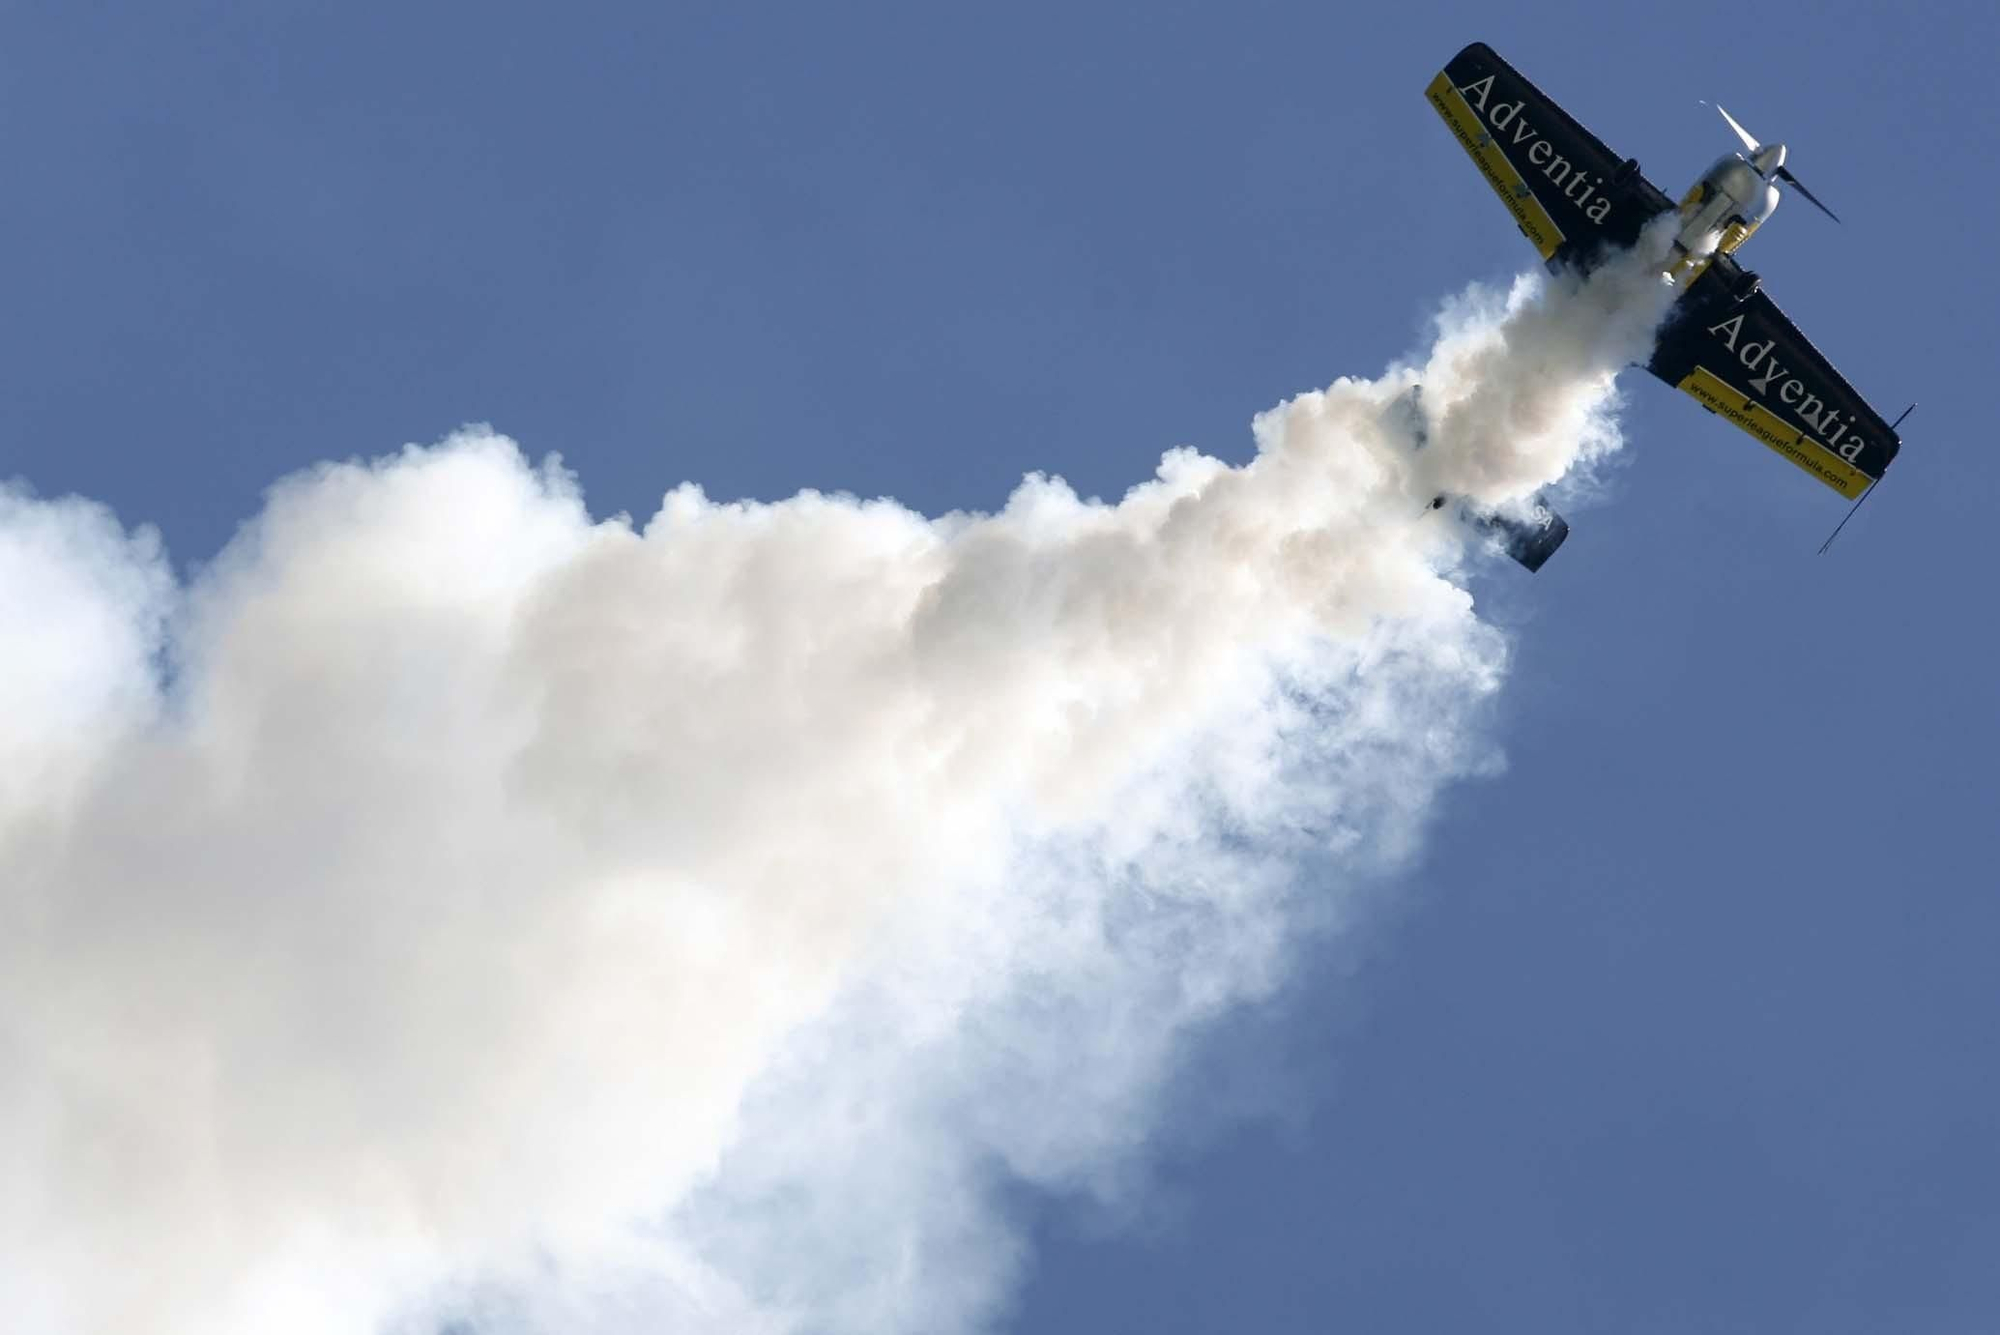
(1531, 538)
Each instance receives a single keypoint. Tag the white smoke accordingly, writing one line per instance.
(450, 906)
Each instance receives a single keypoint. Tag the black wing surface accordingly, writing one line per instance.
(1742, 359)
(1570, 195)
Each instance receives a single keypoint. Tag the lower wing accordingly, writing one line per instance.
(1744, 361)
(1569, 194)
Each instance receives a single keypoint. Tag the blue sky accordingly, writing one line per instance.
(1684, 1023)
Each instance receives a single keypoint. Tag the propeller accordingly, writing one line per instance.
(1785, 174)
(1749, 141)
(1782, 172)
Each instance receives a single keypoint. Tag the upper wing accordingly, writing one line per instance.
(1563, 186)
(1747, 362)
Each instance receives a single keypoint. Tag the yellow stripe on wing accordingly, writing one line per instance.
(1711, 391)
(1500, 173)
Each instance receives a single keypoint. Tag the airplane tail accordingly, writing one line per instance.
(1529, 537)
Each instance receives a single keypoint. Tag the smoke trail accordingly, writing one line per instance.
(513, 916)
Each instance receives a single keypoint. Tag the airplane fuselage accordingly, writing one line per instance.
(1720, 211)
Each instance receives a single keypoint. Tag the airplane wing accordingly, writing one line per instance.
(1570, 195)
(1746, 362)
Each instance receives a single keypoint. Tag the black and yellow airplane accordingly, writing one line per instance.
(1726, 343)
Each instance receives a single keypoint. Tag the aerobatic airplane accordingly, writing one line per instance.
(1726, 343)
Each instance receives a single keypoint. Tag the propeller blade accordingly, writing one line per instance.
(1741, 133)
(1785, 174)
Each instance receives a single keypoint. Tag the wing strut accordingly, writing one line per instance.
(1866, 494)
